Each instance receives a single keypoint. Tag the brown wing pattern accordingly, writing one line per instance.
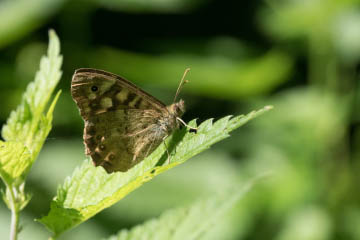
(97, 91)
(120, 119)
(121, 146)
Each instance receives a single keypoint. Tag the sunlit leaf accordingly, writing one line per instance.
(28, 125)
(91, 189)
(14, 159)
(188, 222)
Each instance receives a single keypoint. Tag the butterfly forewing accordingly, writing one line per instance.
(96, 91)
(121, 120)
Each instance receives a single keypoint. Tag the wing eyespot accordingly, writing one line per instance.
(94, 88)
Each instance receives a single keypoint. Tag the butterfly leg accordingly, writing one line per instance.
(191, 128)
(167, 149)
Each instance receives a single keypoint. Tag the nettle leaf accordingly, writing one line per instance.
(14, 158)
(91, 189)
(28, 126)
(188, 222)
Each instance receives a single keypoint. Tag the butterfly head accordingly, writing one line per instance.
(177, 109)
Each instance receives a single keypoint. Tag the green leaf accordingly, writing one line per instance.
(238, 78)
(18, 18)
(150, 5)
(91, 189)
(294, 19)
(14, 158)
(188, 222)
(28, 126)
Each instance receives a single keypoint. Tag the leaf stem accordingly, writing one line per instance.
(14, 207)
(14, 223)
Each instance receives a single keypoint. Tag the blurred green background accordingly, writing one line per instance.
(301, 56)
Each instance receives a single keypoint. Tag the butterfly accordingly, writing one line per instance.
(123, 123)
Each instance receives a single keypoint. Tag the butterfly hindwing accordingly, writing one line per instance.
(118, 146)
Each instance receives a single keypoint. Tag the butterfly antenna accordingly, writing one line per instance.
(182, 83)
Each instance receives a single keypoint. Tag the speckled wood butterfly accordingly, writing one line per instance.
(123, 124)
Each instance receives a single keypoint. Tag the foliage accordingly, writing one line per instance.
(91, 189)
(26, 130)
(188, 222)
(300, 56)
(17, 18)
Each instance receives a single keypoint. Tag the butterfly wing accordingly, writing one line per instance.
(96, 91)
(120, 119)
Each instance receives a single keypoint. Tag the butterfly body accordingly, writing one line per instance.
(123, 124)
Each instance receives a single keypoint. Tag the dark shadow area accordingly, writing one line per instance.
(177, 137)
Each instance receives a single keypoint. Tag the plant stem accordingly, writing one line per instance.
(14, 222)
(14, 207)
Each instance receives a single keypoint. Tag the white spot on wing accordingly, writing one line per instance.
(92, 96)
(122, 95)
(106, 102)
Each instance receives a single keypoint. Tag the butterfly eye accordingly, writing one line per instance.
(94, 88)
